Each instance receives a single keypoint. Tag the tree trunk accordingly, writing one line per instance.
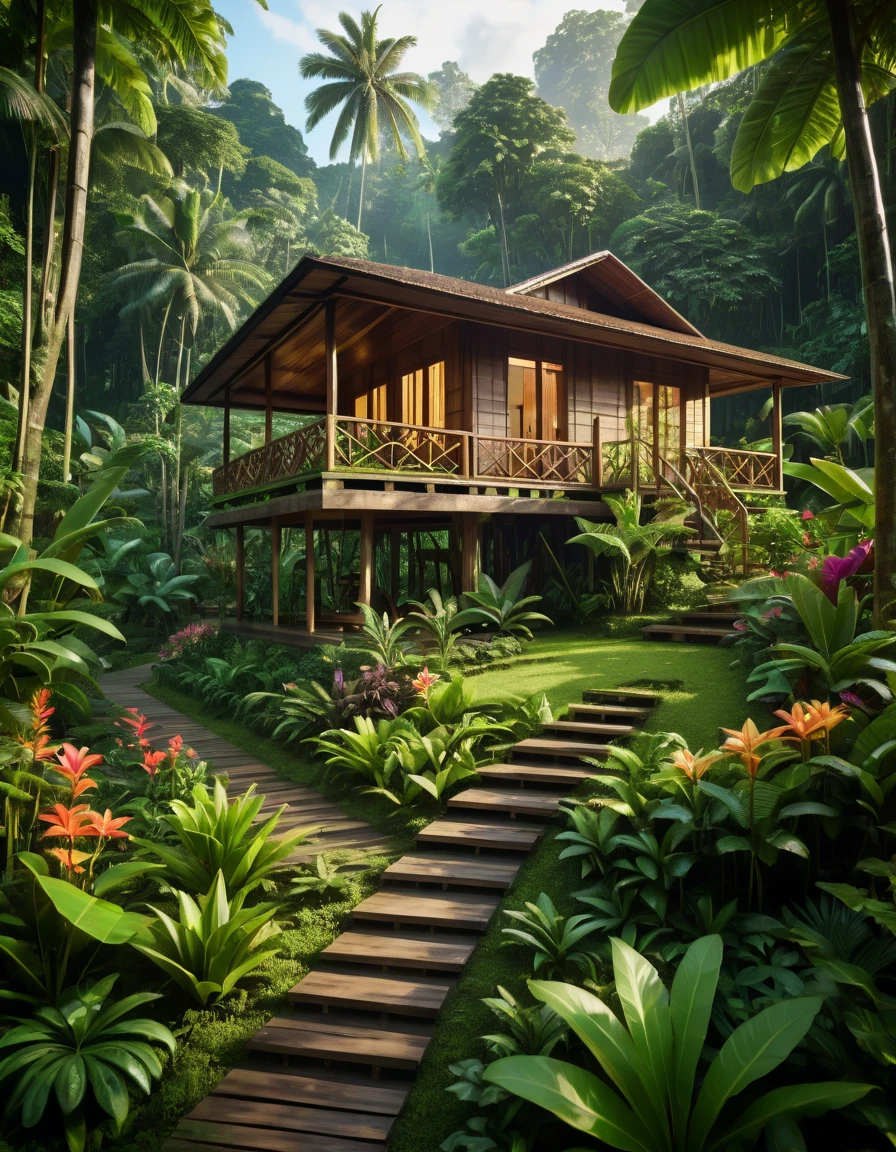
(361, 197)
(432, 266)
(46, 355)
(687, 135)
(69, 397)
(880, 296)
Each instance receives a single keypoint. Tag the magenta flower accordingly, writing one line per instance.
(836, 569)
(772, 613)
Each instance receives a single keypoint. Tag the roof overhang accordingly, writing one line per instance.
(367, 293)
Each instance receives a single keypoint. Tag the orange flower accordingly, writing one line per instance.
(812, 721)
(151, 762)
(73, 763)
(175, 744)
(694, 766)
(39, 706)
(425, 681)
(743, 743)
(137, 722)
(108, 826)
(71, 859)
(68, 822)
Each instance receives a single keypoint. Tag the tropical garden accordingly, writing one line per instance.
(699, 952)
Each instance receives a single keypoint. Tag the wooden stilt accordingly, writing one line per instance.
(365, 589)
(268, 401)
(309, 572)
(275, 572)
(240, 571)
(777, 434)
(469, 551)
(225, 453)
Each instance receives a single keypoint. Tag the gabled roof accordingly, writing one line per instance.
(293, 313)
(617, 283)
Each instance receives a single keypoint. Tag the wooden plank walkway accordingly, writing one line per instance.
(331, 1073)
(329, 827)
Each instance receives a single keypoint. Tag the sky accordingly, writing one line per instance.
(483, 36)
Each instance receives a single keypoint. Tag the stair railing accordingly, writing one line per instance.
(717, 495)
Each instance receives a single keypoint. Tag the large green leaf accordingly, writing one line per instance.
(677, 45)
(75, 616)
(97, 918)
(794, 113)
(54, 567)
(816, 611)
(795, 1100)
(576, 1096)
(690, 1004)
(84, 510)
(753, 1050)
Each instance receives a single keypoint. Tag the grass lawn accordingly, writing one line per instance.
(700, 691)
(707, 694)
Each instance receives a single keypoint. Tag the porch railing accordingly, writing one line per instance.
(348, 443)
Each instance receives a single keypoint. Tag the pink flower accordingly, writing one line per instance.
(741, 625)
(772, 613)
(425, 681)
(836, 569)
(807, 515)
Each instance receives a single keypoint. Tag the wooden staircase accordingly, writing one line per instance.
(709, 625)
(358, 1025)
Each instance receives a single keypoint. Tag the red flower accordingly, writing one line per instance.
(137, 722)
(39, 706)
(175, 744)
(807, 515)
(107, 825)
(68, 822)
(151, 761)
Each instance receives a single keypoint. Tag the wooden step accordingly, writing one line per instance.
(559, 774)
(321, 1089)
(684, 633)
(712, 619)
(500, 800)
(449, 868)
(560, 749)
(399, 995)
(198, 1134)
(289, 1117)
(402, 950)
(587, 728)
(504, 837)
(632, 697)
(613, 712)
(332, 1038)
(464, 910)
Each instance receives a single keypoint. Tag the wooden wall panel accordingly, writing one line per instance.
(489, 350)
(595, 387)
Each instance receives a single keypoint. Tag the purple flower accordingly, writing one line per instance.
(836, 569)
(338, 679)
(854, 701)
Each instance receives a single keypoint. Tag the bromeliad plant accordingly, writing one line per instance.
(652, 1057)
(85, 1056)
(503, 608)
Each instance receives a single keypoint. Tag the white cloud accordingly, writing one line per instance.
(289, 31)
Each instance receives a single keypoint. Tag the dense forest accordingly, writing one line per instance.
(525, 175)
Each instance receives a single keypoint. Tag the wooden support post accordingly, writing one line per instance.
(777, 435)
(597, 460)
(655, 454)
(240, 571)
(469, 551)
(395, 563)
(332, 382)
(309, 573)
(268, 401)
(225, 447)
(365, 588)
(275, 572)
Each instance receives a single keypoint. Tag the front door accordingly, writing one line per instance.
(533, 399)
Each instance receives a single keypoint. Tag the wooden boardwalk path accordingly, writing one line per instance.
(332, 1071)
(307, 807)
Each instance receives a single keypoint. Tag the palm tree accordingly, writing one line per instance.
(364, 83)
(194, 260)
(97, 45)
(426, 182)
(821, 192)
(828, 62)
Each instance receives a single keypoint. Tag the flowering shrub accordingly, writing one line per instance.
(190, 640)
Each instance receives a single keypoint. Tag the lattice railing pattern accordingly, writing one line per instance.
(300, 451)
(547, 461)
(706, 477)
(743, 468)
(378, 445)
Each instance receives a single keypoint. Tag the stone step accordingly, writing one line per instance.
(588, 728)
(559, 774)
(630, 697)
(466, 911)
(559, 749)
(404, 949)
(508, 836)
(531, 803)
(452, 868)
(398, 995)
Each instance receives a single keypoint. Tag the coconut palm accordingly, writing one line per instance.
(365, 84)
(827, 63)
(425, 182)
